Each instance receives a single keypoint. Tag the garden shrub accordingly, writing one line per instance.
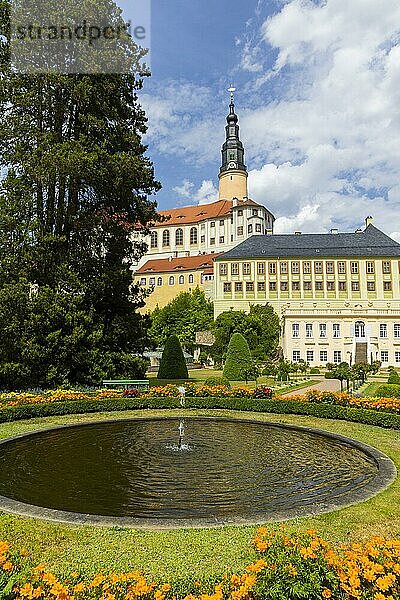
(394, 377)
(238, 359)
(173, 364)
(212, 381)
(314, 371)
(388, 390)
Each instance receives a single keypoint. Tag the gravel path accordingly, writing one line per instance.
(325, 385)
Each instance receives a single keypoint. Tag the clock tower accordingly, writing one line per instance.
(233, 172)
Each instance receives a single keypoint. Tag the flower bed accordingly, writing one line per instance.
(302, 566)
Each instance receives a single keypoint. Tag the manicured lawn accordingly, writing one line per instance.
(370, 389)
(202, 552)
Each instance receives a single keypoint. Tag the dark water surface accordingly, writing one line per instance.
(226, 469)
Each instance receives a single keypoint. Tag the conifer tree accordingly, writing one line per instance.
(238, 359)
(173, 364)
(75, 192)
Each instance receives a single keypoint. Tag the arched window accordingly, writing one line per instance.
(193, 235)
(165, 237)
(181, 279)
(159, 281)
(171, 280)
(154, 239)
(179, 237)
(359, 329)
(191, 279)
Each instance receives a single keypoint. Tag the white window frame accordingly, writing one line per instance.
(296, 357)
(383, 330)
(295, 330)
(322, 330)
(337, 357)
(336, 330)
(309, 330)
(384, 356)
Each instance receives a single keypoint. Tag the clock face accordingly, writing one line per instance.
(232, 165)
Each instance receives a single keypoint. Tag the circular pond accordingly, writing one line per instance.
(170, 472)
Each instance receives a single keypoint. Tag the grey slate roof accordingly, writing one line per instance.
(370, 242)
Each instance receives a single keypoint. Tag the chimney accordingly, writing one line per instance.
(368, 221)
(335, 231)
(358, 231)
(297, 233)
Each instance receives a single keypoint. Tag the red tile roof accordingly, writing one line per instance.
(200, 212)
(185, 263)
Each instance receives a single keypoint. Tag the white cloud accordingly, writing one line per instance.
(206, 193)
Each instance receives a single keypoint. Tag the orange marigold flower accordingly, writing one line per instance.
(8, 566)
(326, 593)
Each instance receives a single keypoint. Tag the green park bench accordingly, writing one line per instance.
(138, 384)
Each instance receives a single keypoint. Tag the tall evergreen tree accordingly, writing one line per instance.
(75, 191)
(238, 359)
(173, 364)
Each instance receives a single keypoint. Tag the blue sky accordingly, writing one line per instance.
(318, 101)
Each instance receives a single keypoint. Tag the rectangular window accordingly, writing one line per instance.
(307, 285)
(354, 268)
(212, 241)
(222, 223)
(284, 286)
(386, 266)
(152, 281)
(370, 286)
(310, 356)
(322, 330)
(249, 228)
(383, 330)
(330, 267)
(261, 286)
(223, 269)
(355, 286)
(212, 224)
(396, 330)
(240, 213)
(387, 286)
(272, 286)
(258, 227)
(240, 230)
(341, 267)
(319, 286)
(330, 286)
(296, 355)
(296, 286)
(227, 287)
(295, 266)
(309, 330)
(384, 356)
(249, 286)
(238, 286)
(284, 268)
(370, 267)
(222, 239)
(235, 269)
(260, 268)
(306, 268)
(246, 268)
(143, 281)
(318, 267)
(337, 357)
(323, 355)
(342, 286)
(397, 357)
(295, 330)
(336, 330)
(203, 239)
(272, 268)
(255, 212)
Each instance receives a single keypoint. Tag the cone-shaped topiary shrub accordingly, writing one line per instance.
(238, 358)
(173, 364)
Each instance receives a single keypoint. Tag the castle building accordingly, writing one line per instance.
(337, 294)
(217, 226)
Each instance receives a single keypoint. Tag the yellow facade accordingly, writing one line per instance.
(331, 309)
(165, 286)
(233, 184)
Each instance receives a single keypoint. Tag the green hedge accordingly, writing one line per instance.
(324, 411)
(388, 390)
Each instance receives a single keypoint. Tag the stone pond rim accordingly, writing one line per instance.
(385, 475)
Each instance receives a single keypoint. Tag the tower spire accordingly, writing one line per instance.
(233, 172)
